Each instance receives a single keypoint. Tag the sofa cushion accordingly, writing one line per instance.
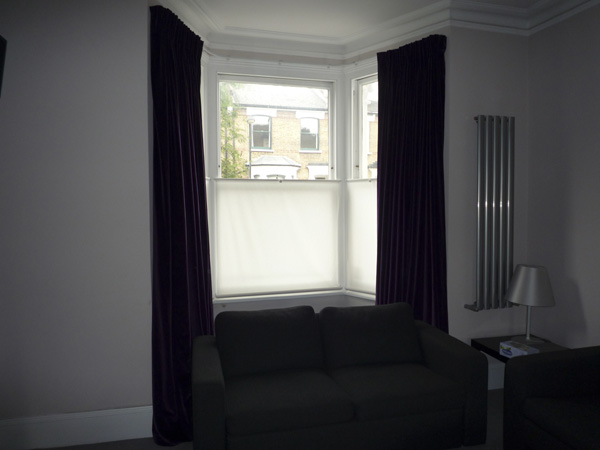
(369, 335)
(574, 420)
(286, 400)
(396, 390)
(276, 339)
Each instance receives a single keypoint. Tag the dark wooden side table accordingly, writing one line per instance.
(491, 346)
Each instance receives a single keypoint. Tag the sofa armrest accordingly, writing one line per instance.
(562, 373)
(457, 361)
(208, 395)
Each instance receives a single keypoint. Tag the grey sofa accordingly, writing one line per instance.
(347, 378)
(552, 401)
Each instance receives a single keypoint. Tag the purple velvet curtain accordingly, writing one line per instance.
(411, 235)
(181, 290)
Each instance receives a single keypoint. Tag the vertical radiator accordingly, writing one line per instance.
(495, 221)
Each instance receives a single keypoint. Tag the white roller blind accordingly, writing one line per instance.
(361, 235)
(274, 237)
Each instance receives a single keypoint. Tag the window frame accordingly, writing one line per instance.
(293, 80)
(359, 155)
(339, 79)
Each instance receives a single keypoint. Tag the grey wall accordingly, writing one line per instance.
(74, 199)
(564, 177)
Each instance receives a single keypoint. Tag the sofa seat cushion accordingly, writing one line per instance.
(574, 420)
(395, 390)
(284, 400)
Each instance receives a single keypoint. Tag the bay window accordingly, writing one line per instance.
(284, 220)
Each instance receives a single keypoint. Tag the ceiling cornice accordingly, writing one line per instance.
(244, 43)
(549, 12)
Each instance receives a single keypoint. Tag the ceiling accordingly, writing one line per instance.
(345, 30)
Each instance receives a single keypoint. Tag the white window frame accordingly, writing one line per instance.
(341, 79)
(331, 85)
(360, 140)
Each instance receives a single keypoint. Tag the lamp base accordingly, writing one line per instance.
(527, 341)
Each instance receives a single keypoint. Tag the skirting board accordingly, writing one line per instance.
(63, 430)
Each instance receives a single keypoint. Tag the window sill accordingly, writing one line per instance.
(310, 151)
(275, 297)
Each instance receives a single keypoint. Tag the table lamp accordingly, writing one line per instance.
(530, 286)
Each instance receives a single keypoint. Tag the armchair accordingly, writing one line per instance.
(552, 401)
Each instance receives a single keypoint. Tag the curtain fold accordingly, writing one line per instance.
(181, 276)
(411, 234)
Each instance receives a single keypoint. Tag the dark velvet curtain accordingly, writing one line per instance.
(411, 235)
(181, 291)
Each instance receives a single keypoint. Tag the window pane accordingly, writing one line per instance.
(276, 237)
(310, 126)
(368, 103)
(259, 116)
(309, 142)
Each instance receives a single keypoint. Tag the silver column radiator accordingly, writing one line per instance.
(495, 217)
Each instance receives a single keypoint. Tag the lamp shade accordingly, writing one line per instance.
(530, 286)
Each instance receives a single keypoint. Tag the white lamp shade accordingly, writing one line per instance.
(530, 286)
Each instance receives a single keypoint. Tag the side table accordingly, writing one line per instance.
(491, 346)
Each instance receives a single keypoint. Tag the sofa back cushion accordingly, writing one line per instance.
(252, 342)
(378, 334)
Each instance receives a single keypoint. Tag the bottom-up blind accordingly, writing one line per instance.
(274, 236)
(361, 235)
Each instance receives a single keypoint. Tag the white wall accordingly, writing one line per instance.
(75, 286)
(75, 292)
(486, 74)
(564, 203)
(549, 81)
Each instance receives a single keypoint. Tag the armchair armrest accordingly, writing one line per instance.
(562, 373)
(458, 361)
(208, 395)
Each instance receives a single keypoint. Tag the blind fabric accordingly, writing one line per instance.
(275, 237)
(361, 235)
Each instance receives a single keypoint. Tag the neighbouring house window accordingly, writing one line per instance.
(261, 132)
(309, 133)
